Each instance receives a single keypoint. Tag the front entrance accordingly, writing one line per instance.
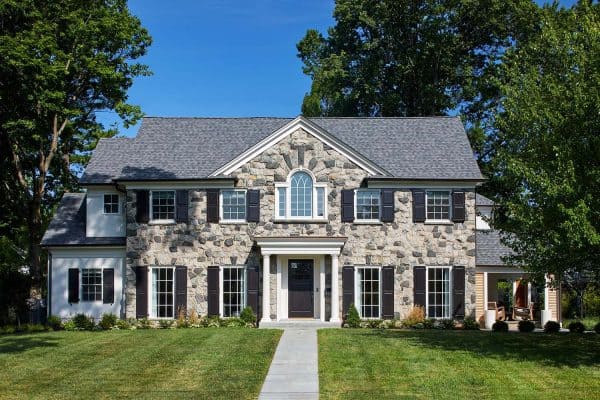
(300, 289)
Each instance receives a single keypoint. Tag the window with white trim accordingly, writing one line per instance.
(163, 205)
(233, 205)
(91, 284)
(438, 292)
(162, 292)
(368, 205)
(233, 291)
(301, 197)
(111, 204)
(368, 292)
(438, 205)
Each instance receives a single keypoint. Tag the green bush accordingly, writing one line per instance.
(500, 326)
(30, 328)
(55, 323)
(108, 321)
(83, 322)
(248, 316)
(526, 326)
(447, 324)
(144, 323)
(352, 319)
(235, 323)
(70, 326)
(165, 323)
(470, 324)
(213, 322)
(576, 327)
(597, 327)
(429, 323)
(123, 324)
(374, 323)
(7, 330)
(552, 327)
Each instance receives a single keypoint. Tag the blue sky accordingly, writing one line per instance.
(215, 58)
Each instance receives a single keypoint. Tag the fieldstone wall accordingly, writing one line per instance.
(402, 243)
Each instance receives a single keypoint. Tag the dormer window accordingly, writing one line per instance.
(111, 204)
(301, 197)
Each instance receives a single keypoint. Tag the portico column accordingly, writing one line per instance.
(266, 304)
(335, 298)
(322, 289)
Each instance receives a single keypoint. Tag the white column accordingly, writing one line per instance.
(335, 297)
(546, 313)
(322, 289)
(266, 305)
(485, 291)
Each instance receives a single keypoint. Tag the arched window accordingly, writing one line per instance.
(301, 195)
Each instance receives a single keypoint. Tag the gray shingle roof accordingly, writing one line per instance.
(489, 249)
(67, 228)
(192, 148)
(482, 200)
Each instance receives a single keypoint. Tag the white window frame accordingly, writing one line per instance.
(450, 283)
(101, 284)
(151, 212)
(288, 198)
(221, 287)
(356, 219)
(357, 292)
(221, 218)
(150, 269)
(104, 204)
(444, 221)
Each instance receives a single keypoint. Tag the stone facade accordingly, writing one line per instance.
(401, 243)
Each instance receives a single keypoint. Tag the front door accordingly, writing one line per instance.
(300, 289)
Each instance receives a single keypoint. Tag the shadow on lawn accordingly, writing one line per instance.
(23, 342)
(567, 350)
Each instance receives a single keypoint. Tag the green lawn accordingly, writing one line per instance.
(227, 363)
(365, 364)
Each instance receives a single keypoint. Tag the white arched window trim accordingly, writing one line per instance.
(319, 190)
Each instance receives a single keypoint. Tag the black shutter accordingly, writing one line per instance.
(141, 292)
(458, 206)
(181, 201)
(347, 288)
(73, 285)
(142, 206)
(213, 290)
(212, 205)
(418, 205)
(419, 286)
(387, 205)
(252, 205)
(252, 288)
(180, 290)
(108, 286)
(347, 205)
(458, 292)
(387, 285)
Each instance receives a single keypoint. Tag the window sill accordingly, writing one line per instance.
(233, 222)
(439, 222)
(162, 222)
(368, 222)
(301, 221)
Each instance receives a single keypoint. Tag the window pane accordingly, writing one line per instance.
(91, 284)
(162, 295)
(281, 192)
(234, 205)
(301, 195)
(163, 205)
(369, 292)
(367, 204)
(320, 202)
(438, 205)
(438, 292)
(111, 203)
(234, 291)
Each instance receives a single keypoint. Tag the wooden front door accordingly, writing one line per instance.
(300, 289)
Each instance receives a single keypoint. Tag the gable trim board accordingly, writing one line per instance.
(313, 129)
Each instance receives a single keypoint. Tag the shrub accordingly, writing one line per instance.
(374, 323)
(470, 324)
(447, 324)
(429, 323)
(182, 321)
(552, 327)
(83, 322)
(144, 323)
(576, 327)
(597, 327)
(194, 320)
(213, 322)
(123, 324)
(55, 323)
(418, 325)
(7, 330)
(415, 316)
(70, 326)
(234, 323)
(526, 326)
(500, 326)
(108, 321)
(352, 319)
(34, 328)
(248, 316)
(165, 323)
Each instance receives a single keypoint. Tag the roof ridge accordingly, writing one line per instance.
(274, 117)
(187, 117)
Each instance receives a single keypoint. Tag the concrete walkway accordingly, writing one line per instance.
(294, 371)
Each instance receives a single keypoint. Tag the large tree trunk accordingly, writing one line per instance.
(35, 257)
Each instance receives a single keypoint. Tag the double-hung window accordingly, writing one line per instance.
(438, 292)
(368, 205)
(233, 205)
(111, 204)
(368, 292)
(162, 292)
(301, 198)
(163, 205)
(233, 291)
(438, 205)
(91, 284)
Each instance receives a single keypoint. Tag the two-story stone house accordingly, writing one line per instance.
(296, 218)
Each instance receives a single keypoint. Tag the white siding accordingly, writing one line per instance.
(100, 224)
(483, 212)
(63, 259)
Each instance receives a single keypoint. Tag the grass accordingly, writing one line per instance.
(588, 322)
(144, 364)
(364, 364)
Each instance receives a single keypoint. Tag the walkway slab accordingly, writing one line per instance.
(294, 371)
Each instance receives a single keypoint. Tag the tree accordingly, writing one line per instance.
(545, 144)
(61, 62)
(410, 58)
